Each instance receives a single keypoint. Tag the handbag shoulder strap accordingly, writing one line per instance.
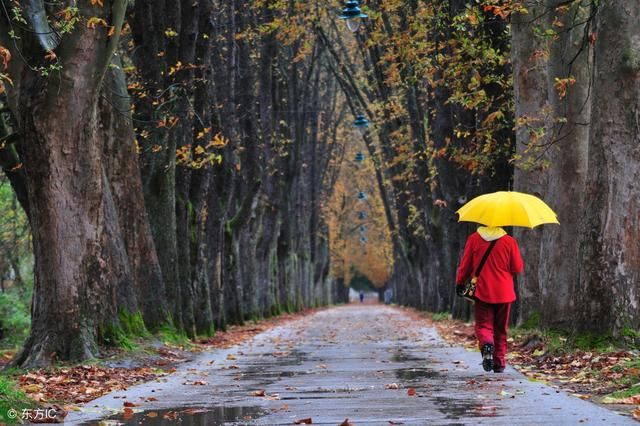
(484, 258)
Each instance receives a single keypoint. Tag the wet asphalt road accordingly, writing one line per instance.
(345, 363)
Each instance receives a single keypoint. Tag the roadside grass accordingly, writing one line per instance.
(441, 316)
(12, 398)
(632, 391)
(170, 336)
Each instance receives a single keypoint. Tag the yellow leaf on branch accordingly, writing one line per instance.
(94, 21)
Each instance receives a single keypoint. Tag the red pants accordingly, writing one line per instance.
(492, 320)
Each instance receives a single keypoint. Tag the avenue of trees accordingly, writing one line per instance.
(188, 164)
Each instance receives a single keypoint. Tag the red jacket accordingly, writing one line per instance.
(495, 283)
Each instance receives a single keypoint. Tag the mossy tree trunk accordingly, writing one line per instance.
(82, 273)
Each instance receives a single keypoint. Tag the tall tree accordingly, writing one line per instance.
(569, 84)
(81, 269)
(609, 253)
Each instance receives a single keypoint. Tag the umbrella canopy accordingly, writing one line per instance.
(507, 208)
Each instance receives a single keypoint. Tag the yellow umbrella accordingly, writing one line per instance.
(507, 208)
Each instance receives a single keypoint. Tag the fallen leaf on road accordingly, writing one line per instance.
(260, 392)
(231, 357)
(129, 404)
(307, 421)
(170, 415)
(411, 392)
(152, 414)
(285, 407)
(32, 388)
(346, 423)
(391, 422)
(636, 414)
(195, 383)
(391, 386)
(323, 366)
(128, 414)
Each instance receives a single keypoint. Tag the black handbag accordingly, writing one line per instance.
(470, 287)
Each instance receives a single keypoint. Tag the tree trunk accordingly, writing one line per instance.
(121, 165)
(531, 100)
(569, 58)
(81, 267)
(610, 252)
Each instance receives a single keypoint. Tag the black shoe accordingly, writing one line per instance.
(498, 369)
(487, 356)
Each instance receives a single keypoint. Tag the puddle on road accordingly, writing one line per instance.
(401, 356)
(186, 416)
(411, 374)
(268, 371)
(464, 409)
(254, 375)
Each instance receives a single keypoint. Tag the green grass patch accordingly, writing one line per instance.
(127, 333)
(531, 323)
(631, 373)
(15, 319)
(632, 391)
(11, 398)
(593, 342)
(440, 316)
(554, 341)
(559, 342)
(133, 324)
(171, 336)
(631, 337)
(114, 335)
(275, 310)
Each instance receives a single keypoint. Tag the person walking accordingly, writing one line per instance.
(495, 290)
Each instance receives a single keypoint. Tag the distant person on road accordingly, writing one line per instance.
(361, 297)
(388, 294)
(495, 290)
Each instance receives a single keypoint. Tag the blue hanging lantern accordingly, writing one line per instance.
(352, 15)
(363, 229)
(363, 239)
(359, 157)
(361, 123)
(362, 215)
(362, 196)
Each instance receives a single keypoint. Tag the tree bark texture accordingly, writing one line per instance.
(82, 274)
(609, 254)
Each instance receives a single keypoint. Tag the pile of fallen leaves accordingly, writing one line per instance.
(77, 385)
(585, 374)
